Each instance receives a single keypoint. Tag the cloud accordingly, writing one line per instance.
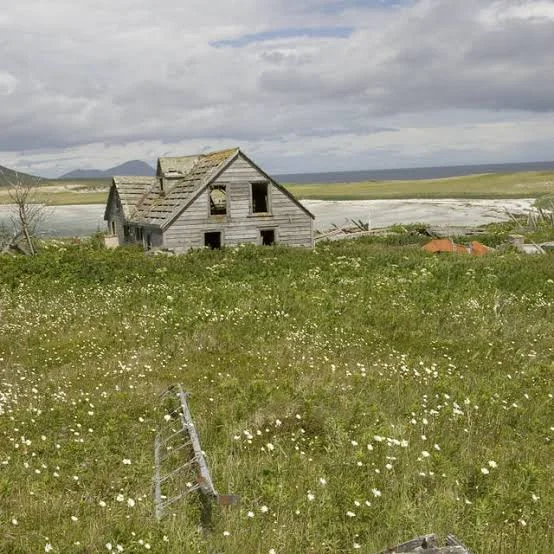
(325, 32)
(97, 82)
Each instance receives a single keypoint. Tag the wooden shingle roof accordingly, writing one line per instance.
(131, 191)
(144, 200)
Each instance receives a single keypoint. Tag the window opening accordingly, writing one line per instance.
(268, 236)
(218, 200)
(260, 200)
(113, 227)
(212, 239)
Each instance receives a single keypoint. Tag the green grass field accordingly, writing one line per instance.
(513, 185)
(354, 397)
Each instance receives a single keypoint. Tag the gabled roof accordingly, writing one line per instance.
(183, 178)
(131, 190)
(181, 164)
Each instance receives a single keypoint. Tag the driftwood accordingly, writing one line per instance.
(16, 243)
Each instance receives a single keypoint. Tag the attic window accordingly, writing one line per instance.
(218, 200)
(260, 200)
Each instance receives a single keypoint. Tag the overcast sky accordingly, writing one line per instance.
(300, 85)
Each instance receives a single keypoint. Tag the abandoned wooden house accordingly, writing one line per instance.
(216, 199)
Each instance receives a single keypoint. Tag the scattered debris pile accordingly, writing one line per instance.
(356, 229)
(438, 246)
(518, 242)
(180, 465)
(430, 545)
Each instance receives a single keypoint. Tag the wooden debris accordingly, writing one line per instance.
(180, 462)
(423, 542)
(518, 242)
(16, 244)
(428, 544)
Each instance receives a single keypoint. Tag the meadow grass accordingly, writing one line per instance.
(509, 185)
(354, 397)
(52, 196)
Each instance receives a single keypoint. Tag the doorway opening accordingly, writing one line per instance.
(212, 239)
(267, 236)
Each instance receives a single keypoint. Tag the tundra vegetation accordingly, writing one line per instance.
(354, 396)
(534, 184)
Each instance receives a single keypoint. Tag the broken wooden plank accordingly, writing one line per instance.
(451, 540)
(440, 550)
(423, 542)
(429, 545)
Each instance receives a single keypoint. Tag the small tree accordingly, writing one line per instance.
(29, 213)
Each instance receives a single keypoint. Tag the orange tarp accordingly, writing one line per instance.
(437, 246)
(478, 249)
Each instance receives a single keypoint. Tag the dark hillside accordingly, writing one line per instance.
(8, 175)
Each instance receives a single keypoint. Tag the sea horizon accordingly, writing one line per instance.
(410, 173)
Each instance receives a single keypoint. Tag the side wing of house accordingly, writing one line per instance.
(125, 193)
(241, 205)
(114, 216)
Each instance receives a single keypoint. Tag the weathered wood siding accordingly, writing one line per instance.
(291, 224)
(115, 214)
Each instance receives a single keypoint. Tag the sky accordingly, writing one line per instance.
(299, 85)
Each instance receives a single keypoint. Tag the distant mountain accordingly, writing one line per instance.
(8, 176)
(134, 168)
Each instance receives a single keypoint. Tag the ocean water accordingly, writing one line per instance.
(410, 173)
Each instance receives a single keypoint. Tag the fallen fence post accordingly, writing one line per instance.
(177, 476)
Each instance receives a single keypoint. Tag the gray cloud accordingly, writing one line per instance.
(143, 72)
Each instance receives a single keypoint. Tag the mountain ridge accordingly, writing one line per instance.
(135, 168)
